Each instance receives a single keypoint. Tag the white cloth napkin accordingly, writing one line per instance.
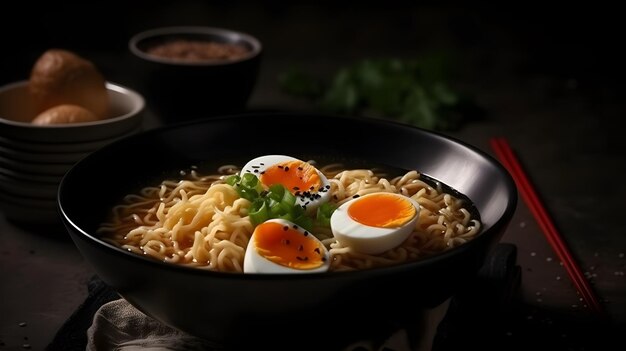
(119, 326)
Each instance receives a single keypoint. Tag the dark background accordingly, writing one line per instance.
(549, 78)
(574, 41)
(578, 46)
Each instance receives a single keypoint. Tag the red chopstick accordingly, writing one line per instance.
(509, 160)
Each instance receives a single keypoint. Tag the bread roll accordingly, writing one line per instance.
(62, 77)
(63, 114)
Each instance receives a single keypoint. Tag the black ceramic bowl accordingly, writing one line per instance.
(310, 311)
(181, 89)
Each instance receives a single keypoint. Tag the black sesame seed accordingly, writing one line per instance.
(327, 187)
(300, 248)
(287, 169)
(356, 196)
(285, 228)
(256, 171)
(323, 259)
(335, 197)
(295, 226)
(256, 166)
(296, 188)
(261, 163)
(281, 167)
(317, 249)
(311, 188)
(306, 233)
(263, 172)
(300, 168)
(299, 258)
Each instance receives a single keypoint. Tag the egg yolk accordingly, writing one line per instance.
(288, 247)
(382, 210)
(297, 176)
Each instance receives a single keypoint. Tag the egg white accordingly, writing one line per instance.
(258, 165)
(256, 263)
(368, 239)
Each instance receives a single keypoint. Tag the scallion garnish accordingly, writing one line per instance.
(276, 202)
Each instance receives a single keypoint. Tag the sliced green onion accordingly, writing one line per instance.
(276, 192)
(275, 209)
(288, 201)
(247, 193)
(275, 202)
(249, 180)
(258, 212)
(233, 179)
(324, 212)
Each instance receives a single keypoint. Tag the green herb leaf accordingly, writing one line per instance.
(275, 202)
(412, 91)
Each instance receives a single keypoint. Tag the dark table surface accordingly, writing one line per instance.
(549, 80)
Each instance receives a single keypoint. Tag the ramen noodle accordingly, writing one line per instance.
(202, 221)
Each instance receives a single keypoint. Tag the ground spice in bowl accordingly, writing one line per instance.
(197, 50)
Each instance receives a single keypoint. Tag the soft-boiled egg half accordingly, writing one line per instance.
(302, 179)
(279, 246)
(375, 223)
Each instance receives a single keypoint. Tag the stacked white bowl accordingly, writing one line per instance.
(34, 158)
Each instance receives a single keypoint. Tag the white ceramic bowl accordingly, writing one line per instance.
(16, 112)
(34, 159)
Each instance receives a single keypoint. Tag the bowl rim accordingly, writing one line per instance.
(257, 47)
(110, 86)
(498, 226)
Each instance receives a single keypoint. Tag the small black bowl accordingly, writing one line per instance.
(313, 311)
(177, 90)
